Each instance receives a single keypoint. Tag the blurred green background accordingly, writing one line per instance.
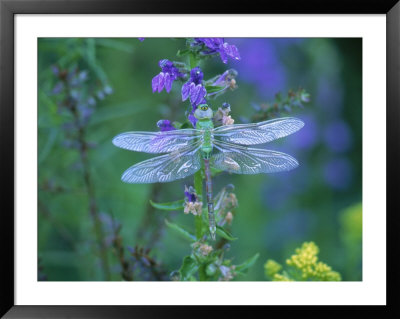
(80, 169)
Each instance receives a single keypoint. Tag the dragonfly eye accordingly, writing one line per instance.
(203, 112)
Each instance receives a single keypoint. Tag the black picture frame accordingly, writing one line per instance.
(8, 10)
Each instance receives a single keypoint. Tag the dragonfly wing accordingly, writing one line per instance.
(157, 142)
(258, 133)
(165, 168)
(245, 160)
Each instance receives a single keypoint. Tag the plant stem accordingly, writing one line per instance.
(193, 61)
(93, 209)
(202, 273)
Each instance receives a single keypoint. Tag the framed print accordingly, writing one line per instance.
(153, 157)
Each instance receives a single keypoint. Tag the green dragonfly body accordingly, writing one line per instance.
(206, 126)
(224, 148)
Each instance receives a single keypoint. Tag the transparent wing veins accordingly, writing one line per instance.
(157, 142)
(258, 133)
(165, 168)
(245, 160)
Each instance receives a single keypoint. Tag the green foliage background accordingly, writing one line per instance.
(329, 217)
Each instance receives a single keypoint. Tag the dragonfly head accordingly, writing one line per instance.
(203, 112)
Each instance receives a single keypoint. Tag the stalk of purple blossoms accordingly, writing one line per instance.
(218, 45)
(195, 91)
(169, 73)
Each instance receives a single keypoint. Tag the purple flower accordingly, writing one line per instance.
(218, 45)
(195, 93)
(169, 73)
(190, 194)
(141, 39)
(225, 81)
(194, 89)
(196, 75)
(165, 125)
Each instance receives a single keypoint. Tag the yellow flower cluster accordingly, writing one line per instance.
(304, 266)
(279, 277)
(271, 268)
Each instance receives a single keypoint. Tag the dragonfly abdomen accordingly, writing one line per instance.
(210, 204)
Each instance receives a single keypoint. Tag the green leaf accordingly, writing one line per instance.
(183, 52)
(212, 88)
(177, 205)
(224, 233)
(186, 124)
(188, 268)
(180, 230)
(247, 264)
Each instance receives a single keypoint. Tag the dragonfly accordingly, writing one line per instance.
(226, 148)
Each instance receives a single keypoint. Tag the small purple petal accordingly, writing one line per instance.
(212, 43)
(231, 51)
(154, 83)
(191, 197)
(161, 81)
(224, 49)
(141, 39)
(168, 82)
(223, 56)
(194, 91)
(186, 90)
(197, 95)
